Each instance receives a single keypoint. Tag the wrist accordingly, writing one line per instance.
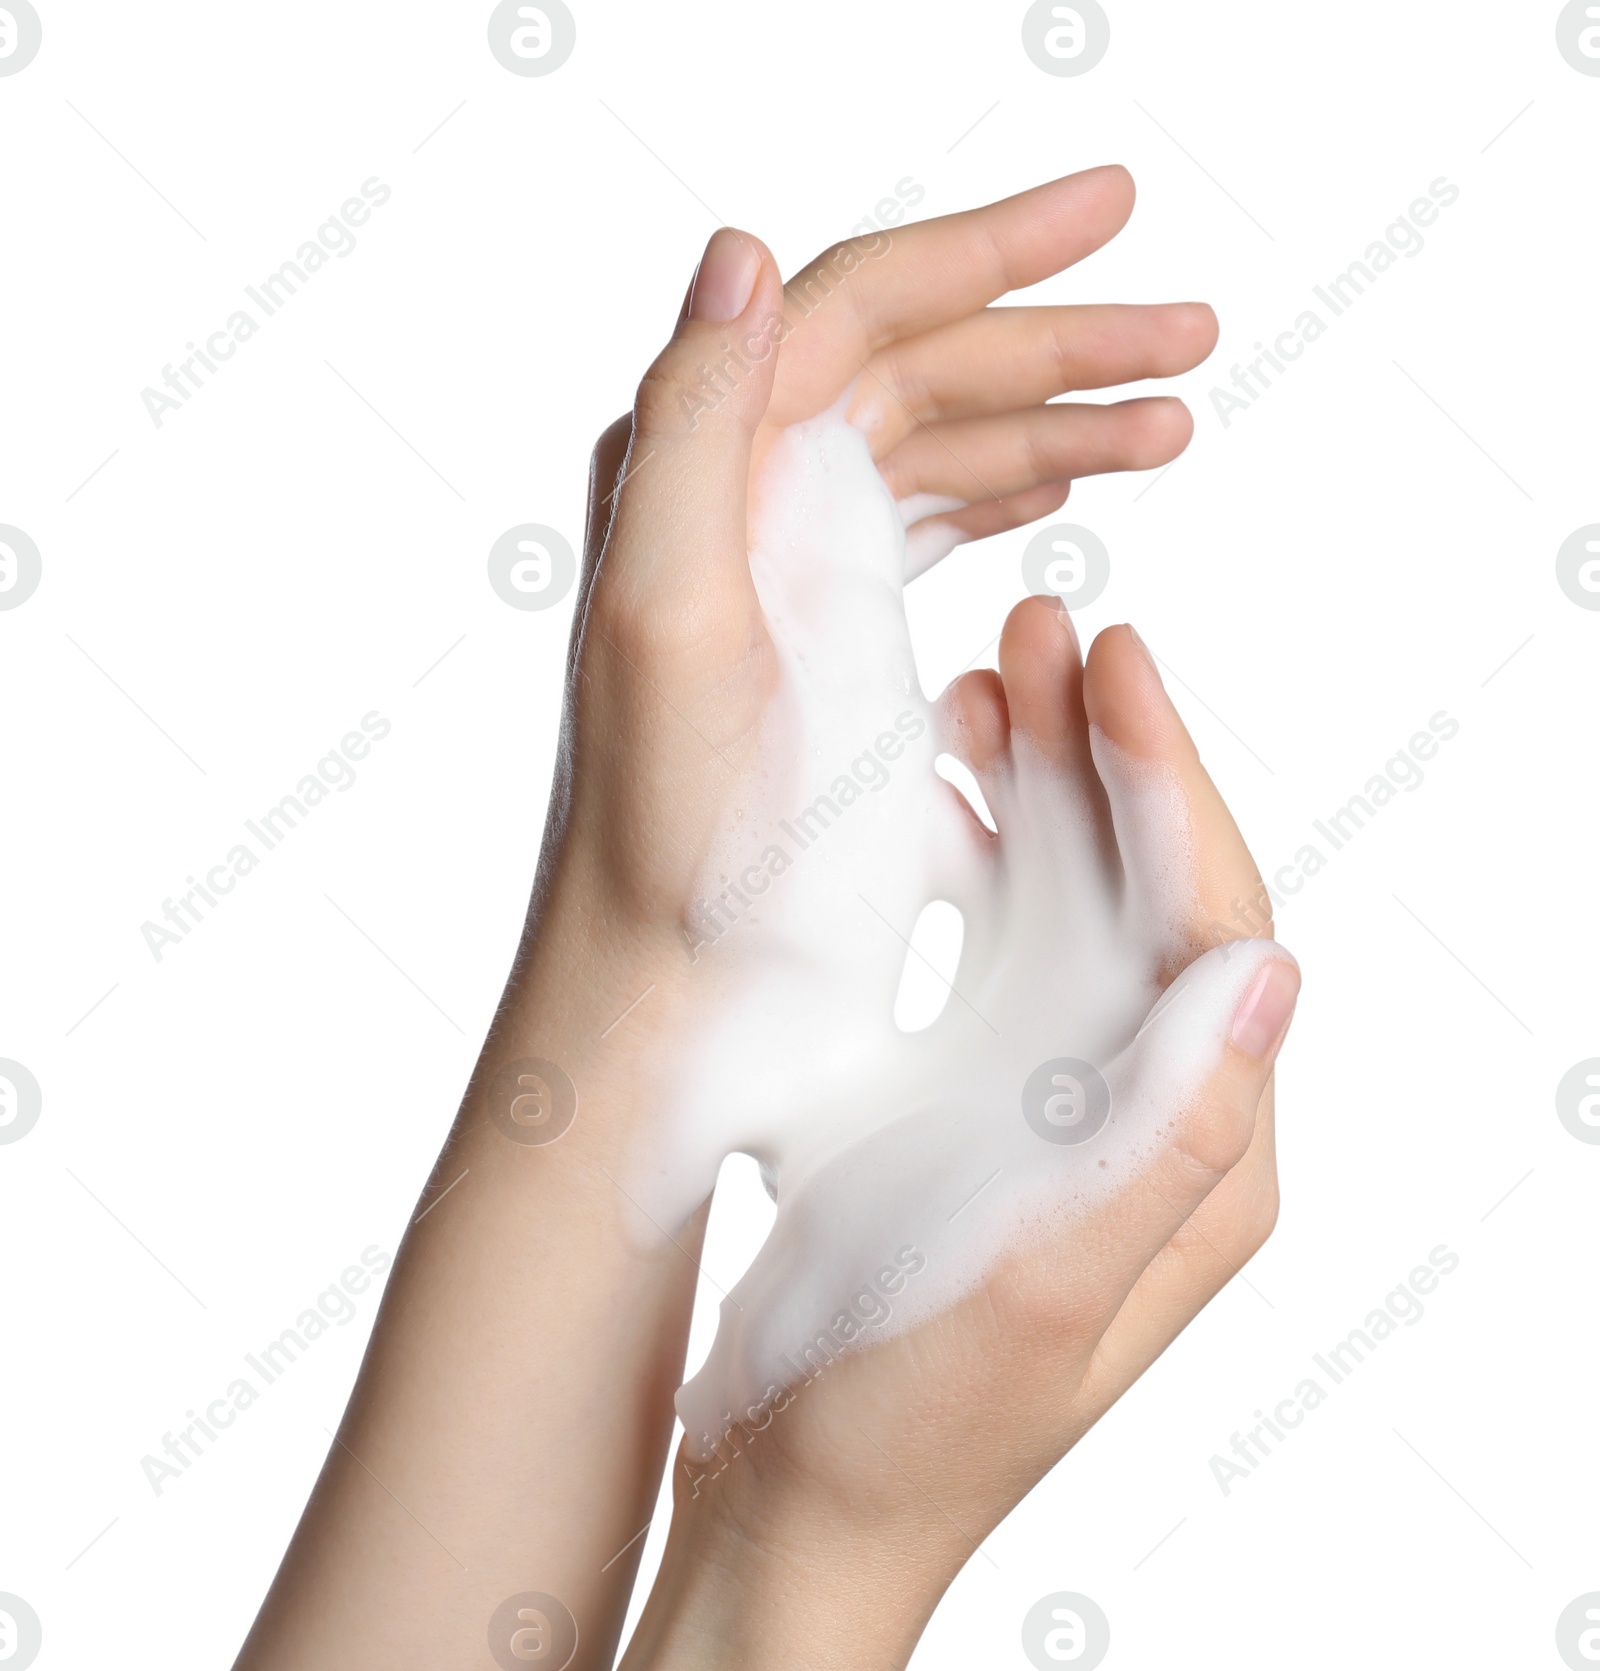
(782, 1590)
(717, 1606)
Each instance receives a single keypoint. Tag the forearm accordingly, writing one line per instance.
(512, 1415)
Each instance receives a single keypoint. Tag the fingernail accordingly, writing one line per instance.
(725, 279)
(1265, 1009)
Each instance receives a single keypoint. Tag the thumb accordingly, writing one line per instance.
(680, 519)
(1206, 1053)
(1186, 1093)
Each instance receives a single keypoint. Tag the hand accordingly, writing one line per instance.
(901, 1456)
(674, 662)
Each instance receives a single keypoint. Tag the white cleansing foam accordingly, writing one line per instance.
(1057, 1065)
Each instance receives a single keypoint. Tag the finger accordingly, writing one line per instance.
(678, 534)
(1239, 996)
(989, 458)
(1041, 664)
(1005, 359)
(929, 540)
(1135, 727)
(858, 296)
(1048, 801)
(1036, 696)
(977, 727)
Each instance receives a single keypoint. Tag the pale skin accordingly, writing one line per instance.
(512, 1417)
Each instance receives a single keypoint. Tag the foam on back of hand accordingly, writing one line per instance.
(906, 1163)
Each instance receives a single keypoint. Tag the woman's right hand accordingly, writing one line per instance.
(896, 1460)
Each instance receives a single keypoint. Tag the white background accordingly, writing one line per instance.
(232, 591)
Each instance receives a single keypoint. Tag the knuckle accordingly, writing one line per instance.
(1065, 356)
(1039, 448)
(664, 629)
(1216, 1132)
(664, 406)
(691, 382)
(1237, 1223)
(663, 403)
(1259, 1218)
(908, 389)
(1245, 1228)
(612, 442)
(640, 629)
(1048, 1307)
